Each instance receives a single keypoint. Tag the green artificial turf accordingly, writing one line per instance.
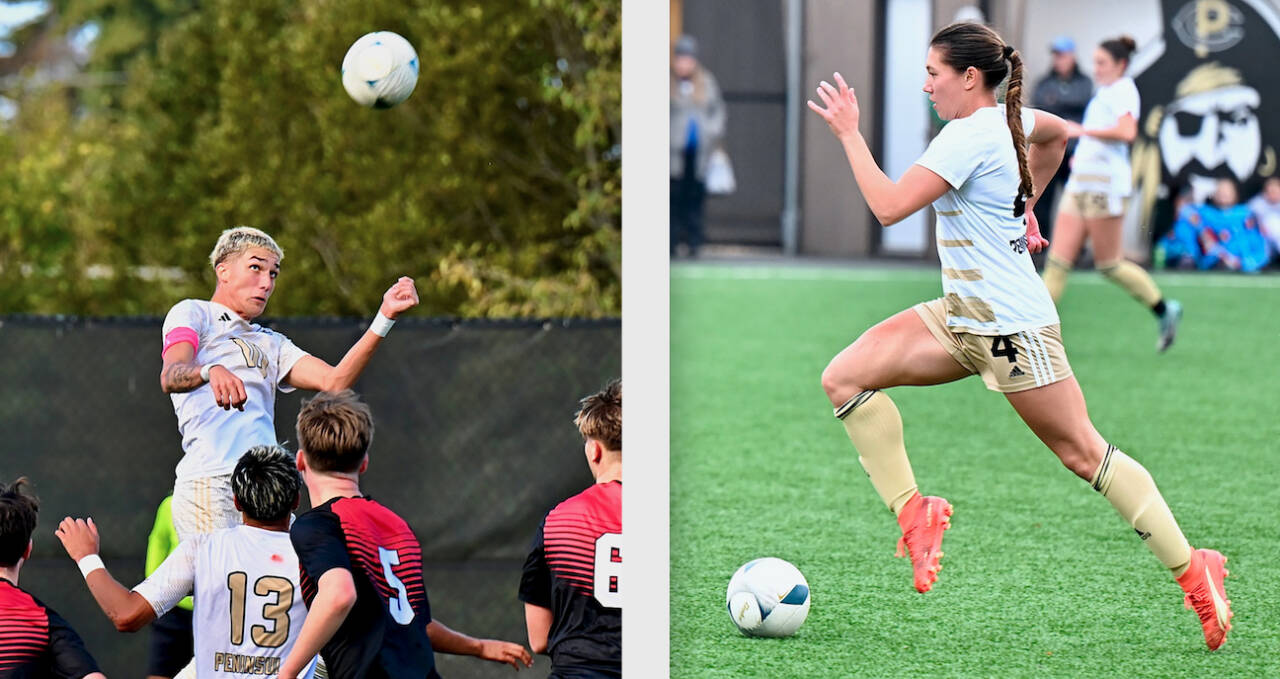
(1041, 577)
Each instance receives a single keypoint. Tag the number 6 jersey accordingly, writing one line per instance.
(385, 634)
(573, 570)
(248, 607)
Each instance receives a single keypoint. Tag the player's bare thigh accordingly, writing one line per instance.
(1058, 416)
(897, 351)
(1104, 233)
(1068, 233)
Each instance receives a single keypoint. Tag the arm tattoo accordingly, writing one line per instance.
(179, 378)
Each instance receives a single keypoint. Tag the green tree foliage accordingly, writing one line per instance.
(496, 185)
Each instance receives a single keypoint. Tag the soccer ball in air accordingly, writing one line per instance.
(380, 70)
(768, 598)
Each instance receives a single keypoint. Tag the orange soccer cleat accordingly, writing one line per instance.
(922, 520)
(1206, 593)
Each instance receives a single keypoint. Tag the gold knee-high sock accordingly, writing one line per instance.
(1055, 276)
(875, 428)
(1131, 490)
(1136, 281)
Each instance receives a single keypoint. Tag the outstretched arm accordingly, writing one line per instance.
(1125, 130)
(890, 201)
(317, 375)
(445, 640)
(128, 611)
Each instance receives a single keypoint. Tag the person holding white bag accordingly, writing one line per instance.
(697, 155)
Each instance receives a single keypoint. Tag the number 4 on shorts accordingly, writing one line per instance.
(1007, 350)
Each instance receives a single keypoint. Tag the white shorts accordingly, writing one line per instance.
(203, 505)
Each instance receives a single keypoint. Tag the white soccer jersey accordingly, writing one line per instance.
(248, 605)
(990, 284)
(212, 438)
(1099, 164)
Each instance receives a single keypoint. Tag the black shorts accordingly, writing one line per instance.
(583, 673)
(172, 645)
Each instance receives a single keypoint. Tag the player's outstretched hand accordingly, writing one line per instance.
(79, 537)
(399, 298)
(505, 652)
(841, 112)
(228, 390)
(1035, 242)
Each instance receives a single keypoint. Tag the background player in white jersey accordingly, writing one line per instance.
(996, 318)
(1100, 181)
(245, 578)
(222, 371)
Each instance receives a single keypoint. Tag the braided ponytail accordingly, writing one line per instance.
(966, 44)
(1013, 111)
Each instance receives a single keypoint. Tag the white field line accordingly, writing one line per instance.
(802, 273)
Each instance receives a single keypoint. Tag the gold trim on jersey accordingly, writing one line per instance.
(949, 213)
(969, 307)
(955, 243)
(963, 274)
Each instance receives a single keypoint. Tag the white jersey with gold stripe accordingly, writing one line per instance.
(248, 604)
(212, 438)
(1102, 165)
(989, 283)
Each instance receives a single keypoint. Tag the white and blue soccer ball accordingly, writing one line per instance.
(380, 70)
(768, 597)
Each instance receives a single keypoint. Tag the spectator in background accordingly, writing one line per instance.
(1221, 234)
(697, 127)
(1266, 210)
(1064, 92)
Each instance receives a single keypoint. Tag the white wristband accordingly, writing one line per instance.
(381, 325)
(90, 564)
(204, 370)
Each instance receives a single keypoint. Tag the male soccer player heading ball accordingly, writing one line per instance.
(361, 564)
(573, 603)
(245, 577)
(222, 370)
(34, 641)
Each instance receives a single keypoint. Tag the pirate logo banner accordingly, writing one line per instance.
(1217, 67)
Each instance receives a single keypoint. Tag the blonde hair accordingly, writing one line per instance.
(236, 240)
(334, 431)
(600, 416)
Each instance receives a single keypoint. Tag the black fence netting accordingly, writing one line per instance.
(474, 442)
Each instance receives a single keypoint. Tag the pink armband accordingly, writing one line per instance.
(179, 335)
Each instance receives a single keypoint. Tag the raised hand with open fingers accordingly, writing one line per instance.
(841, 107)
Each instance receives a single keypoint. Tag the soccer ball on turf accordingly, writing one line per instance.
(768, 598)
(380, 70)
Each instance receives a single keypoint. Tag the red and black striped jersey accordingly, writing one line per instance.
(36, 642)
(385, 634)
(573, 569)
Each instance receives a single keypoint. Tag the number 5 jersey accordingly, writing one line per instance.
(573, 569)
(385, 634)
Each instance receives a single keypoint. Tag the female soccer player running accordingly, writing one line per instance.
(996, 319)
(1093, 204)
